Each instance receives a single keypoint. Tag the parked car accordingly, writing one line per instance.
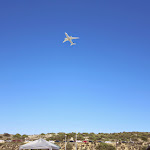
(78, 141)
(131, 142)
(108, 142)
(7, 140)
(17, 140)
(57, 141)
(85, 141)
(71, 141)
(124, 141)
(90, 141)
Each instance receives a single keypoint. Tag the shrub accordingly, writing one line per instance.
(48, 139)
(6, 134)
(104, 146)
(24, 136)
(144, 138)
(17, 136)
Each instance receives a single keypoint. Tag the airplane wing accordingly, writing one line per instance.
(72, 43)
(74, 38)
(65, 40)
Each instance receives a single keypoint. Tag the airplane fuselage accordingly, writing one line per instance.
(69, 39)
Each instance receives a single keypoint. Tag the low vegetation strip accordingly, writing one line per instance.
(85, 141)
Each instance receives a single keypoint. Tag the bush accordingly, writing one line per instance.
(144, 138)
(17, 136)
(6, 134)
(24, 136)
(104, 146)
(48, 139)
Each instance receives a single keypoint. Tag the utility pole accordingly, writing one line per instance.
(76, 140)
(65, 141)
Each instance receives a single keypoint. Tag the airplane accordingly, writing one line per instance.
(70, 38)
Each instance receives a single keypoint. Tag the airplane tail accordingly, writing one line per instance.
(73, 44)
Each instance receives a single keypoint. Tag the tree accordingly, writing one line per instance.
(60, 136)
(104, 146)
(144, 138)
(92, 136)
(17, 136)
(80, 136)
(6, 134)
(24, 136)
(69, 135)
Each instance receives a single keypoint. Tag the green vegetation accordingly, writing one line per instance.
(6, 134)
(80, 136)
(129, 140)
(59, 137)
(104, 146)
(122, 136)
(24, 136)
(69, 135)
(17, 136)
(144, 138)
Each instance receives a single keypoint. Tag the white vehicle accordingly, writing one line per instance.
(70, 38)
(79, 141)
(108, 142)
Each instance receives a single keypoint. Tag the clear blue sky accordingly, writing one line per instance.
(102, 84)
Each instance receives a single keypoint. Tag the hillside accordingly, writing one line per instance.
(85, 141)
